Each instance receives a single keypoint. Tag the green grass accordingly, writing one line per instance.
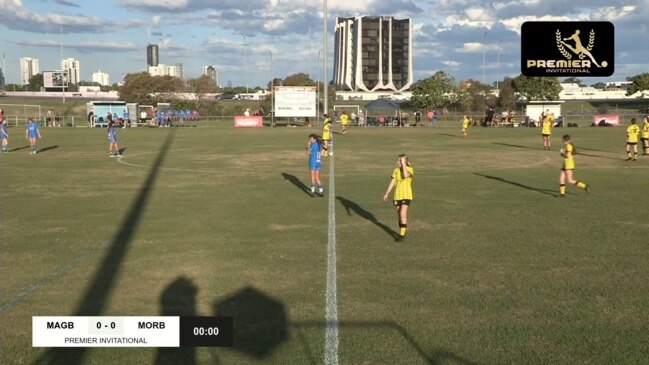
(496, 269)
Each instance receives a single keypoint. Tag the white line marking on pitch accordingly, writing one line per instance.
(331, 314)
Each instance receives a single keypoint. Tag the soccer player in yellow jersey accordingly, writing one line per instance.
(645, 136)
(401, 180)
(632, 134)
(344, 120)
(326, 135)
(465, 125)
(546, 129)
(568, 152)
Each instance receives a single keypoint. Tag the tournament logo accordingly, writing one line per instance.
(567, 49)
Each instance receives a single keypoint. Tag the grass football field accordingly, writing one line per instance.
(216, 221)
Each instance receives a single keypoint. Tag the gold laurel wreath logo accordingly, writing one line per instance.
(563, 51)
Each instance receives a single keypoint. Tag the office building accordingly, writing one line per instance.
(212, 73)
(102, 78)
(373, 54)
(166, 70)
(2, 78)
(28, 69)
(71, 65)
(152, 55)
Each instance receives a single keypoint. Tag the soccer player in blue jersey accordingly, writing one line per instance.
(4, 134)
(32, 133)
(112, 140)
(314, 150)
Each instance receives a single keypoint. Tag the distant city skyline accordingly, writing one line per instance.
(454, 37)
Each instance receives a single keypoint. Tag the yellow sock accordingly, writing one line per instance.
(581, 184)
(402, 231)
(562, 189)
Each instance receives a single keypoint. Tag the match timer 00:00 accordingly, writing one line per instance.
(132, 331)
(206, 332)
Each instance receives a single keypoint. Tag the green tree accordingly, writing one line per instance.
(574, 80)
(599, 85)
(200, 87)
(437, 91)
(143, 88)
(639, 83)
(538, 88)
(507, 97)
(298, 79)
(35, 83)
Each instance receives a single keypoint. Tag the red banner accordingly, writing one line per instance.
(242, 121)
(609, 119)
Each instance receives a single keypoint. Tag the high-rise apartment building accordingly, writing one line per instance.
(166, 70)
(102, 78)
(71, 65)
(28, 69)
(152, 55)
(212, 73)
(373, 53)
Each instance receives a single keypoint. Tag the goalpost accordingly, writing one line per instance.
(338, 109)
(17, 114)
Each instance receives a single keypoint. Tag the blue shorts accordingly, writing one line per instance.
(32, 135)
(112, 140)
(315, 166)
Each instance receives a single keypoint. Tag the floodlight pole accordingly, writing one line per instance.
(317, 90)
(498, 66)
(484, 54)
(64, 78)
(324, 76)
(272, 89)
(245, 61)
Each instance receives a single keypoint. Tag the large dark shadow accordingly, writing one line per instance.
(19, 148)
(434, 357)
(260, 322)
(351, 206)
(517, 146)
(47, 148)
(449, 135)
(297, 182)
(178, 299)
(98, 293)
(538, 190)
(121, 150)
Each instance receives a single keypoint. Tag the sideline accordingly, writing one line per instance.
(331, 314)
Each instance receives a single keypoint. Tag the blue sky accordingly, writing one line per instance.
(111, 35)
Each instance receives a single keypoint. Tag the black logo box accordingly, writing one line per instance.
(551, 42)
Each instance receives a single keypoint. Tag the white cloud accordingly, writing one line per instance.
(155, 20)
(164, 4)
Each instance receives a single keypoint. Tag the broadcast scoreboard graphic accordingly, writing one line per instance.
(132, 331)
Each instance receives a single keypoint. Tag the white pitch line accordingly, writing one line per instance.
(331, 313)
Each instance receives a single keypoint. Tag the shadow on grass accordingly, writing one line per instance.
(449, 135)
(121, 150)
(435, 357)
(352, 206)
(260, 321)
(47, 148)
(178, 299)
(516, 145)
(19, 148)
(98, 293)
(538, 190)
(297, 182)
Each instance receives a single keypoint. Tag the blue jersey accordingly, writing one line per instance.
(32, 130)
(315, 159)
(112, 134)
(5, 131)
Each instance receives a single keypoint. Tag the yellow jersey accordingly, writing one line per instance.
(326, 129)
(547, 125)
(632, 133)
(465, 123)
(344, 119)
(568, 156)
(403, 187)
(645, 129)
